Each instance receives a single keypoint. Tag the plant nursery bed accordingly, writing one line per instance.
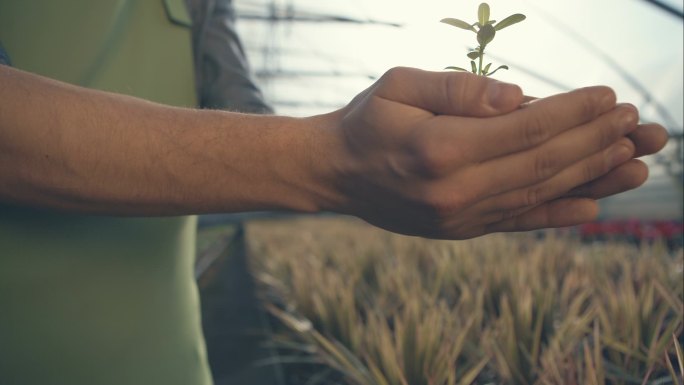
(352, 304)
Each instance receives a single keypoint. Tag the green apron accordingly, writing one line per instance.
(99, 300)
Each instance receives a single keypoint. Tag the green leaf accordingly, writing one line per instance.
(458, 23)
(485, 35)
(474, 55)
(504, 67)
(486, 69)
(483, 14)
(680, 355)
(510, 20)
(470, 376)
(456, 68)
(473, 66)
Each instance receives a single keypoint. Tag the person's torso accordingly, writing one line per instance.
(100, 300)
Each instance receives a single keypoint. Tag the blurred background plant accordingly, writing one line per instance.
(356, 305)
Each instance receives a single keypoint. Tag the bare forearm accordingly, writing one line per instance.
(415, 154)
(70, 148)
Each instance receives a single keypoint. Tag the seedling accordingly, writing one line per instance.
(485, 30)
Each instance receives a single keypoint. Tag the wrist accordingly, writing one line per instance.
(326, 160)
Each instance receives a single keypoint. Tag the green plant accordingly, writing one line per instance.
(485, 29)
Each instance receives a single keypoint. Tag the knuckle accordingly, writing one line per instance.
(545, 165)
(431, 158)
(533, 196)
(395, 74)
(536, 131)
(466, 93)
(605, 136)
(591, 172)
(588, 105)
(455, 89)
(507, 214)
(440, 204)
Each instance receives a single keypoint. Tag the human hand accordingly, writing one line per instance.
(648, 139)
(445, 155)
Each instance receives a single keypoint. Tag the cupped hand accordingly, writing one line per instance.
(648, 138)
(451, 155)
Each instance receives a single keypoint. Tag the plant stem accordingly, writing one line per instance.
(481, 58)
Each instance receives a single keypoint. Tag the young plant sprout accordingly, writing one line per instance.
(485, 30)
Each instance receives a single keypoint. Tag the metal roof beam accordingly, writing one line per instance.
(311, 18)
(667, 8)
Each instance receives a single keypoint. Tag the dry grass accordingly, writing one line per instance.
(365, 307)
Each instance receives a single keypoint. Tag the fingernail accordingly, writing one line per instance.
(628, 118)
(499, 94)
(608, 100)
(619, 155)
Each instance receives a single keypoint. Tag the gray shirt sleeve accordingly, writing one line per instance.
(4, 57)
(222, 73)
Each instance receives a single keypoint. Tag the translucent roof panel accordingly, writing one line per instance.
(314, 55)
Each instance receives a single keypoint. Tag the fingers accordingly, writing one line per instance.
(573, 146)
(626, 177)
(576, 175)
(527, 99)
(558, 213)
(540, 121)
(649, 139)
(449, 93)
(645, 140)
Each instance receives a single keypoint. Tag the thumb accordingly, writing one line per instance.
(449, 93)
